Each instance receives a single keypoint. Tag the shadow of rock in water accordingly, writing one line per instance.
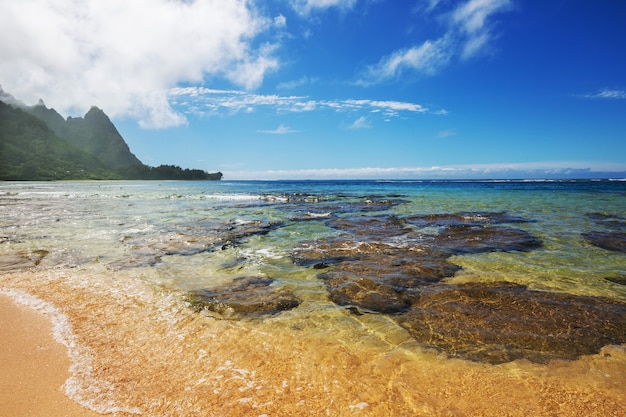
(618, 279)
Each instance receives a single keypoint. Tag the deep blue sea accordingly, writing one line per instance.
(421, 298)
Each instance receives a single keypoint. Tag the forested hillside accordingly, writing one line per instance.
(30, 150)
(37, 143)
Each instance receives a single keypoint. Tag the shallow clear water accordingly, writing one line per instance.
(119, 258)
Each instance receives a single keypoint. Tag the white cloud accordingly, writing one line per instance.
(361, 123)
(280, 21)
(473, 15)
(468, 32)
(608, 94)
(304, 7)
(280, 130)
(125, 55)
(426, 58)
(210, 101)
(473, 19)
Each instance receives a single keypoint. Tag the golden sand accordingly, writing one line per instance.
(33, 366)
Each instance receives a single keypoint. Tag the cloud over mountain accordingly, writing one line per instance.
(125, 55)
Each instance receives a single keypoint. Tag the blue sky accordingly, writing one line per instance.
(336, 88)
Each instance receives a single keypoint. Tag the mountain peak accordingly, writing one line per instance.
(95, 112)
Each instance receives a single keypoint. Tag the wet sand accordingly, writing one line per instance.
(33, 366)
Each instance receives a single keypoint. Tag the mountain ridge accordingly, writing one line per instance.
(72, 146)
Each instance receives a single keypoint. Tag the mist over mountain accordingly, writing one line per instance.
(95, 134)
(30, 150)
(37, 143)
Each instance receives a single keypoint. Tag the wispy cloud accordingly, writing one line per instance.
(280, 130)
(446, 133)
(361, 123)
(608, 94)
(468, 32)
(474, 20)
(293, 84)
(305, 7)
(426, 58)
(202, 100)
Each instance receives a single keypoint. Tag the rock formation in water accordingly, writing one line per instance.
(245, 297)
(500, 322)
(380, 264)
(613, 235)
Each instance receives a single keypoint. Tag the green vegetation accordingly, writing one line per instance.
(36, 143)
(166, 172)
(29, 150)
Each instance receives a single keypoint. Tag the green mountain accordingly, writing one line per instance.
(30, 150)
(37, 143)
(95, 134)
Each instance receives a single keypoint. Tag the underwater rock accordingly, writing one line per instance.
(148, 249)
(501, 322)
(234, 232)
(245, 297)
(329, 251)
(325, 208)
(457, 240)
(467, 218)
(376, 203)
(384, 281)
(613, 241)
(371, 227)
(18, 261)
(382, 264)
(372, 269)
(608, 220)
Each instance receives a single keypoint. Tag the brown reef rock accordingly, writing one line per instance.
(245, 297)
(501, 322)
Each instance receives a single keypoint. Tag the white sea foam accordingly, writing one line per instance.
(262, 254)
(359, 406)
(242, 222)
(233, 197)
(275, 198)
(327, 214)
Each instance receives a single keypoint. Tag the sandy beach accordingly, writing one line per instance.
(34, 366)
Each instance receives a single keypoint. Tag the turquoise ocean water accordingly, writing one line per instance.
(119, 260)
